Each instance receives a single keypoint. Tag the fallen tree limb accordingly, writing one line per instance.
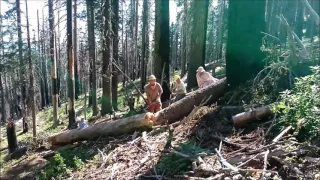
(276, 139)
(313, 13)
(291, 37)
(173, 113)
(244, 117)
(131, 81)
(224, 162)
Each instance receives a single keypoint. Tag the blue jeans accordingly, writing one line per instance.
(179, 96)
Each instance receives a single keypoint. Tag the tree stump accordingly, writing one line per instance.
(12, 137)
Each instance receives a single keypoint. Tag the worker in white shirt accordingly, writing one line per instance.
(178, 89)
(204, 78)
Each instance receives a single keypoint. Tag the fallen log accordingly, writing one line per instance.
(245, 117)
(174, 112)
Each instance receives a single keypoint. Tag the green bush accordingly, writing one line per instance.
(173, 164)
(300, 107)
(65, 161)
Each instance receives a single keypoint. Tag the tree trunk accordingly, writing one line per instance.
(92, 57)
(106, 104)
(44, 63)
(136, 50)
(198, 39)
(161, 40)
(3, 104)
(39, 51)
(11, 137)
(54, 64)
(184, 40)
(59, 61)
(175, 47)
(220, 32)
(122, 42)
(75, 52)
(31, 94)
(115, 77)
(71, 90)
(145, 14)
(173, 113)
(240, 58)
(299, 21)
(21, 63)
(171, 31)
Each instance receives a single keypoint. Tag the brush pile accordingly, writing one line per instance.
(204, 145)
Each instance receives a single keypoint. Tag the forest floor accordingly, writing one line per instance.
(204, 145)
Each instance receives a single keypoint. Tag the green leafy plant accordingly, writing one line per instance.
(174, 164)
(55, 168)
(300, 107)
(65, 161)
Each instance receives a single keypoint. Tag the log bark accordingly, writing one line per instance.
(245, 117)
(173, 113)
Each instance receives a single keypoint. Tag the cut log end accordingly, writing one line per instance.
(245, 117)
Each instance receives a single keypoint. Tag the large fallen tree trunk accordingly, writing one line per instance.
(173, 113)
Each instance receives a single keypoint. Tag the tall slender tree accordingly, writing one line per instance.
(71, 90)
(43, 101)
(184, 39)
(54, 63)
(220, 31)
(44, 62)
(21, 63)
(115, 27)
(243, 62)
(145, 14)
(161, 40)
(106, 105)
(92, 56)
(58, 58)
(75, 51)
(198, 39)
(31, 77)
(3, 103)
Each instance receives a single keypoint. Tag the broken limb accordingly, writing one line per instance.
(224, 162)
(130, 80)
(313, 13)
(244, 117)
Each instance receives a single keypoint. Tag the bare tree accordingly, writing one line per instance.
(54, 63)
(115, 29)
(31, 94)
(145, 39)
(21, 69)
(106, 105)
(75, 52)
(161, 40)
(71, 111)
(3, 109)
(92, 56)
